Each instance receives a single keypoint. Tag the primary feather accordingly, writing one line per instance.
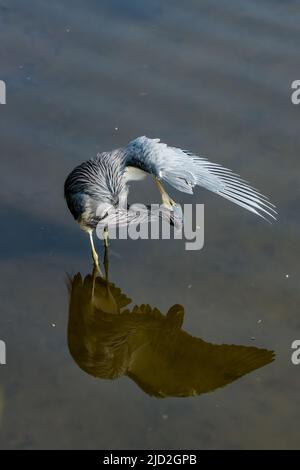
(183, 170)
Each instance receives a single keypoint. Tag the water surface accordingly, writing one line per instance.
(210, 76)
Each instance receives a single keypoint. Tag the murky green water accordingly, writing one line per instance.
(211, 76)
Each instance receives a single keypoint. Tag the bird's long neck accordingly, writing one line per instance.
(110, 183)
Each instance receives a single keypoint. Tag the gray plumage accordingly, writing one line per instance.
(102, 181)
(96, 182)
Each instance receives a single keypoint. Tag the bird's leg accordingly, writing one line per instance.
(166, 200)
(94, 252)
(105, 237)
(106, 261)
(94, 276)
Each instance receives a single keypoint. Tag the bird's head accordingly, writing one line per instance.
(104, 209)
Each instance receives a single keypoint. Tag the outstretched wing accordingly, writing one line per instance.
(184, 170)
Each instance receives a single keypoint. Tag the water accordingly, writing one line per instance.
(210, 76)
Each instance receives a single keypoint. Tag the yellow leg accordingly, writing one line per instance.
(94, 252)
(166, 200)
(105, 236)
(106, 261)
(94, 276)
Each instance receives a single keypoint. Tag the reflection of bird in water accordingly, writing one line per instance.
(108, 340)
(97, 189)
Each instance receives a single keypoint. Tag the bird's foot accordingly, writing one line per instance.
(168, 202)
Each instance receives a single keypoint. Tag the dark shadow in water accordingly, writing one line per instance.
(108, 340)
